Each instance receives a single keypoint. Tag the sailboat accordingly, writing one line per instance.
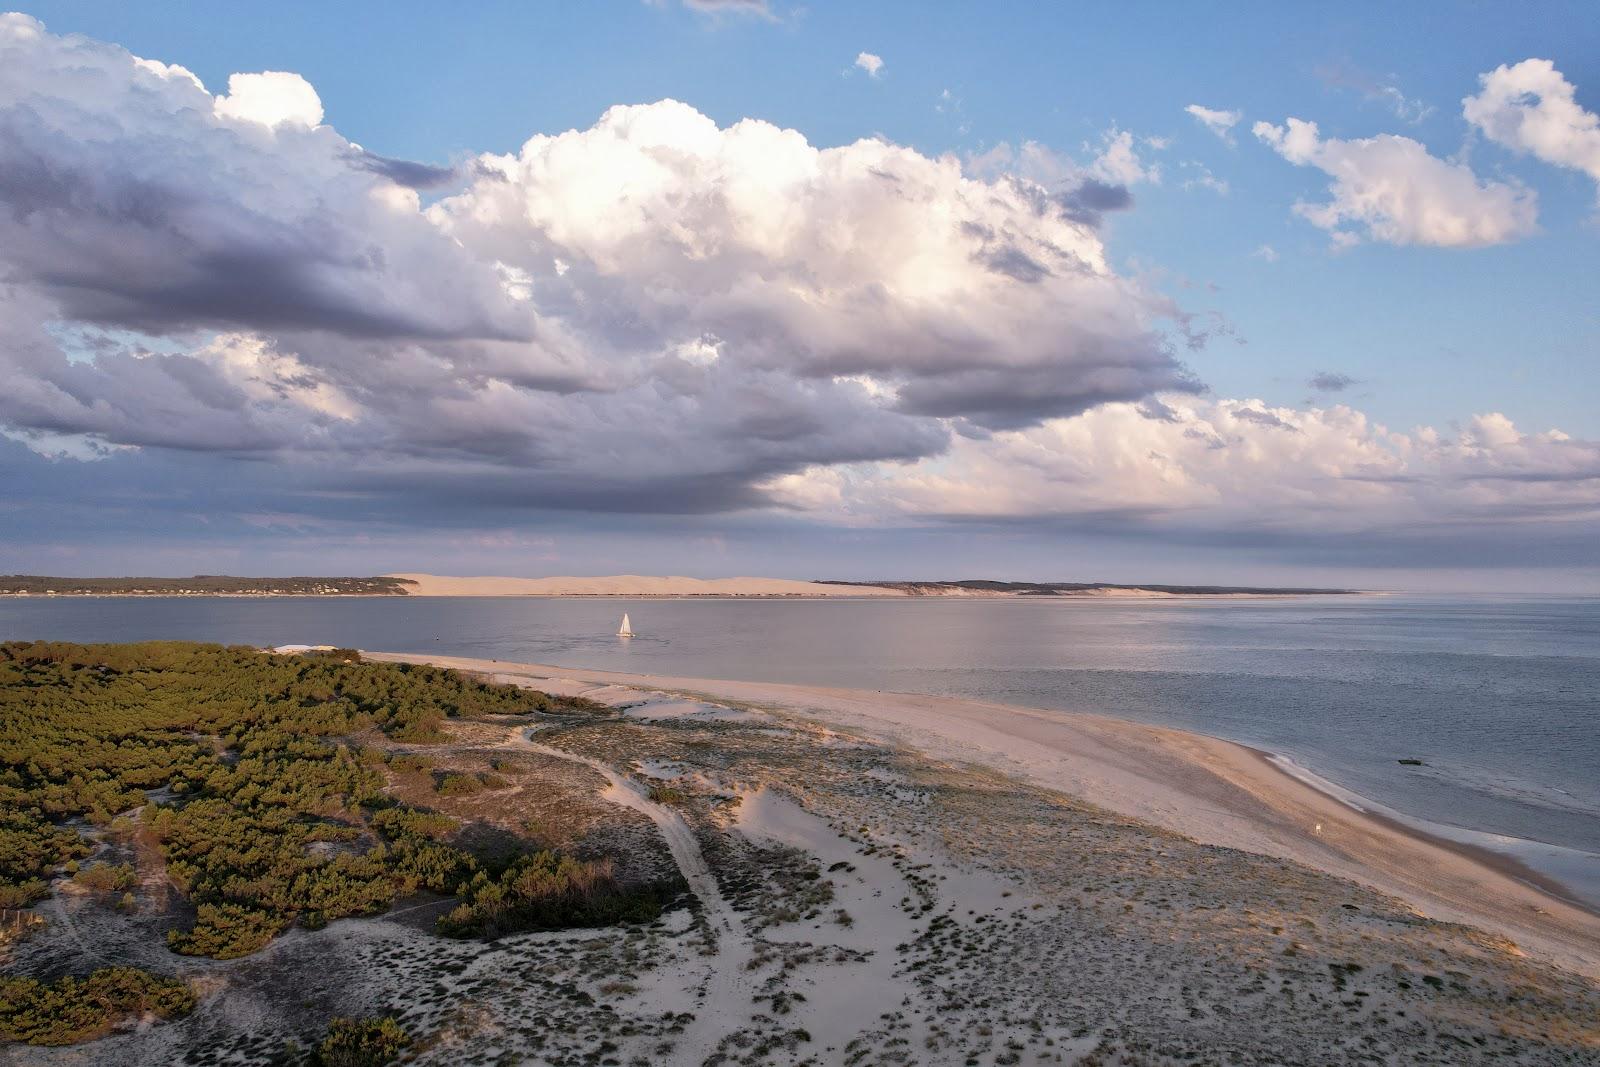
(625, 630)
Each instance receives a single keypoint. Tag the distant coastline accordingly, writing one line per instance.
(624, 585)
(29, 585)
(984, 587)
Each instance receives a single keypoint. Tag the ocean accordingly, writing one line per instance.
(1498, 697)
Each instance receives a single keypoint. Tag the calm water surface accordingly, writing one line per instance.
(1500, 697)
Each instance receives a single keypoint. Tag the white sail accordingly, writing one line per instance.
(625, 630)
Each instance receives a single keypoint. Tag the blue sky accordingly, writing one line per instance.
(1427, 334)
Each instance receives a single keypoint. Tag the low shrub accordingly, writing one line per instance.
(546, 891)
(106, 878)
(397, 824)
(668, 794)
(362, 1043)
(409, 762)
(456, 785)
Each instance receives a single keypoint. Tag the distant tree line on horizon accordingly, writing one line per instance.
(1069, 588)
(201, 584)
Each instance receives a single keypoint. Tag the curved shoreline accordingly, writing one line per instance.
(1214, 791)
(1409, 826)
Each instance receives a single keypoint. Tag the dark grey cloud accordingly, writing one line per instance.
(406, 172)
(1091, 199)
(1017, 264)
(993, 399)
(269, 287)
(1264, 418)
(1077, 197)
(129, 201)
(1421, 546)
(1153, 408)
(1580, 475)
(1331, 382)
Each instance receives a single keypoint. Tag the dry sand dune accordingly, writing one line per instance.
(633, 585)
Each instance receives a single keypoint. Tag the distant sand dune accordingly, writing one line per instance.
(633, 585)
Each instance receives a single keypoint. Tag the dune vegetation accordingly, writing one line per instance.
(70, 1010)
(361, 1043)
(248, 775)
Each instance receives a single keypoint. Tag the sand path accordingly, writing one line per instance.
(725, 991)
(1211, 790)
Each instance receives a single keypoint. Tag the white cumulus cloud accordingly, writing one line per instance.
(976, 298)
(870, 63)
(1217, 121)
(271, 98)
(1182, 462)
(1389, 188)
(1532, 108)
(1119, 162)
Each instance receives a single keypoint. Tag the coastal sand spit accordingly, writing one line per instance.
(1211, 790)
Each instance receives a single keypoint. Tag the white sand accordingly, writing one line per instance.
(687, 710)
(871, 894)
(634, 585)
(1211, 790)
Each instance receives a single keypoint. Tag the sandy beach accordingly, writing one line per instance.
(1213, 791)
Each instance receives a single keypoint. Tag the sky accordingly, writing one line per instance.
(1246, 293)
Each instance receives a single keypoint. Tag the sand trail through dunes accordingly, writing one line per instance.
(725, 991)
(680, 839)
